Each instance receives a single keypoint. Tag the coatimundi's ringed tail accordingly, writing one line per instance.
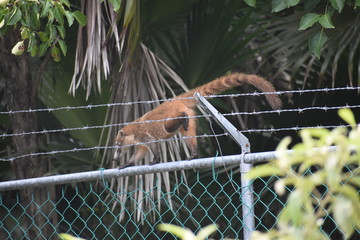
(183, 108)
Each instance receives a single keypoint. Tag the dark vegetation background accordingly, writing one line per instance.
(198, 40)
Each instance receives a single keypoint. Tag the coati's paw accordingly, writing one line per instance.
(124, 166)
(193, 156)
(155, 161)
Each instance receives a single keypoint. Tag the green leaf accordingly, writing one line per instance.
(32, 41)
(45, 9)
(291, 3)
(63, 46)
(278, 5)
(292, 212)
(318, 132)
(43, 36)
(116, 4)
(66, 3)
(129, 12)
(25, 32)
(52, 32)
(343, 209)
(34, 50)
(60, 7)
(355, 180)
(357, 3)
(316, 43)
(58, 16)
(42, 49)
(65, 236)
(81, 117)
(80, 18)
(251, 3)
(347, 115)
(264, 170)
(69, 17)
(4, 2)
(51, 16)
(308, 20)
(55, 53)
(310, 4)
(338, 4)
(325, 21)
(34, 21)
(62, 31)
(15, 16)
(180, 232)
(206, 232)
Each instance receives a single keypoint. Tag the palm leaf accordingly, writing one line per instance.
(288, 47)
(54, 94)
(92, 61)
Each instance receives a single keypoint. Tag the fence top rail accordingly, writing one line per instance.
(136, 170)
(102, 174)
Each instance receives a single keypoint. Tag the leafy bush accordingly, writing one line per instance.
(187, 234)
(327, 159)
(315, 12)
(41, 24)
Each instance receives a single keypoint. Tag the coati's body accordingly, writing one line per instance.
(177, 112)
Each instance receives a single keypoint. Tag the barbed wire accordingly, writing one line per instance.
(273, 130)
(91, 106)
(296, 128)
(300, 110)
(107, 147)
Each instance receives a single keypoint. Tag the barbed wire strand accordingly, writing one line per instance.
(107, 147)
(272, 130)
(300, 110)
(91, 106)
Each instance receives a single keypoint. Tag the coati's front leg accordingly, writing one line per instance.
(139, 154)
(155, 149)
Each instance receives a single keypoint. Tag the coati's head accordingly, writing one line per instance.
(122, 140)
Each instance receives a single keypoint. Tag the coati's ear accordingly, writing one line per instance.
(121, 133)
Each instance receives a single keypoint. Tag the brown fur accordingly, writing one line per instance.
(183, 108)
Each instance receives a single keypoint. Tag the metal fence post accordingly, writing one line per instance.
(246, 185)
(248, 200)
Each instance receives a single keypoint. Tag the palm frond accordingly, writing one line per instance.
(288, 48)
(92, 60)
(147, 79)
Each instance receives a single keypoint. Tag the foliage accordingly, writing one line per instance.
(308, 168)
(322, 16)
(65, 236)
(41, 24)
(187, 234)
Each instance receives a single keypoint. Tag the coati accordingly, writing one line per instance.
(179, 110)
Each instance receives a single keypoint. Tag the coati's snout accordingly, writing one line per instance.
(117, 153)
(120, 137)
(123, 143)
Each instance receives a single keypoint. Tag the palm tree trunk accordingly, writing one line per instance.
(18, 93)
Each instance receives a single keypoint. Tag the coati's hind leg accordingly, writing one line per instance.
(180, 120)
(155, 149)
(190, 132)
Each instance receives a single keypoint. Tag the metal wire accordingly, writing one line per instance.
(91, 106)
(299, 110)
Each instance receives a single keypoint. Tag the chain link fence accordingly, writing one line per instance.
(92, 210)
